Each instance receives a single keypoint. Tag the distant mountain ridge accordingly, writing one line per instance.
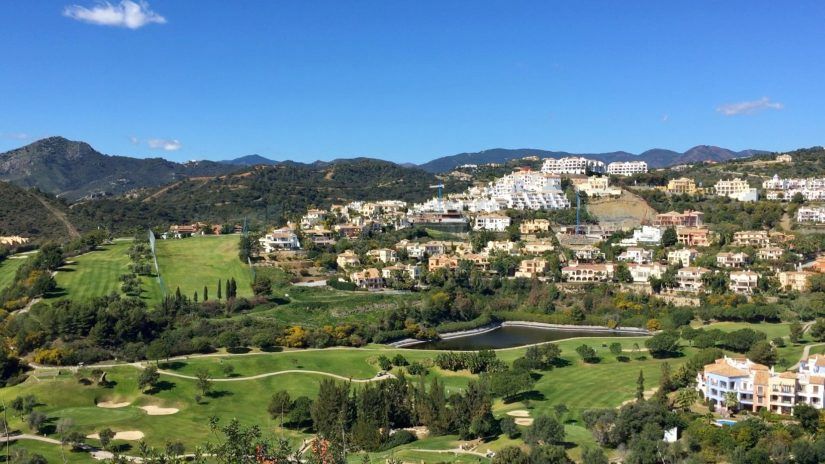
(655, 158)
(74, 170)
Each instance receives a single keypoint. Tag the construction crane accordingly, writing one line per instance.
(440, 188)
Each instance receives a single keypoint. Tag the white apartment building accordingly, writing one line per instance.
(760, 387)
(312, 218)
(409, 270)
(795, 280)
(280, 239)
(754, 238)
(572, 165)
(736, 189)
(811, 188)
(814, 214)
(636, 255)
(493, 222)
(506, 246)
(535, 200)
(627, 168)
(685, 257)
(588, 253)
(743, 282)
(646, 235)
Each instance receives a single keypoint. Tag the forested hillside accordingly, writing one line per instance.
(262, 194)
(32, 214)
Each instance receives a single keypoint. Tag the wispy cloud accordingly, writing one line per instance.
(127, 13)
(17, 136)
(134, 140)
(164, 144)
(749, 107)
(665, 117)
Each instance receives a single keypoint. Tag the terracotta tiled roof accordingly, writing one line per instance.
(816, 380)
(725, 370)
(787, 375)
(761, 377)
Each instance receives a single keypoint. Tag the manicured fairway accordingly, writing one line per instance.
(772, 330)
(578, 385)
(97, 273)
(195, 262)
(7, 269)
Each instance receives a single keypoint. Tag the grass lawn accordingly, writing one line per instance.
(8, 267)
(51, 452)
(97, 273)
(772, 330)
(195, 262)
(579, 386)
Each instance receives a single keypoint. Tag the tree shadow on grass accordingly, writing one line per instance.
(163, 385)
(122, 448)
(173, 365)
(216, 394)
(560, 362)
(532, 395)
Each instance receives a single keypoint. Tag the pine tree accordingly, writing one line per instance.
(219, 289)
(640, 386)
(205, 293)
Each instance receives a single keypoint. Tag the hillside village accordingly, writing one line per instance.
(510, 228)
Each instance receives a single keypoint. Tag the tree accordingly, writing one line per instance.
(795, 332)
(35, 420)
(762, 352)
(686, 397)
(731, 401)
(818, 330)
(511, 455)
(148, 377)
(622, 273)
(205, 293)
(23, 405)
(640, 386)
(301, 413)
(384, 363)
(279, 405)
(808, 417)
(663, 344)
(106, 436)
(219, 289)
(262, 285)
(546, 430)
(669, 237)
(203, 381)
(508, 427)
(587, 354)
(594, 455)
(64, 428)
(560, 409)
(616, 348)
(509, 383)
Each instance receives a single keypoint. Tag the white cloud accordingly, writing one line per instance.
(749, 107)
(134, 140)
(164, 144)
(127, 13)
(665, 117)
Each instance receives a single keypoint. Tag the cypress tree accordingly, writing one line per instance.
(177, 294)
(219, 289)
(640, 386)
(205, 293)
(195, 298)
(228, 290)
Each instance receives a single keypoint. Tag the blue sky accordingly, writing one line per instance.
(410, 81)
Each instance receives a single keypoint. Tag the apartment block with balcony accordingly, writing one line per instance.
(754, 238)
(530, 268)
(581, 272)
(534, 226)
(682, 185)
(693, 236)
(676, 219)
(626, 168)
(732, 260)
(493, 222)
(795, 280)
(636, 255)
(689, 279)
(736, 189)
(685, 257)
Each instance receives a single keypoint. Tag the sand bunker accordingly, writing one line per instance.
(131, 435)
(158, 411)
(112, 404)
(524, 421)
(519, 413)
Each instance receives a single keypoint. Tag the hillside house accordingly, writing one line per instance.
(743, 282)
(636, 255)
(368, 278)
(534, 226)
(642, 273)
(493, 222)
(582, 272)
(530, 268)
(771, 253)
(689, 279)
(795, 280)
(682, 185)
(693, 236)
(684, 257)
(754, 238)
(412, 272)
(348, 259)
(442, 262)
(732, 260)
(537, 247)
(279, 239)
(385, 255)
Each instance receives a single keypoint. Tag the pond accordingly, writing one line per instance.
(506, 337)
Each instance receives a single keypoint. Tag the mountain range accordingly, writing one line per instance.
(74, 170)
(655, 158)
